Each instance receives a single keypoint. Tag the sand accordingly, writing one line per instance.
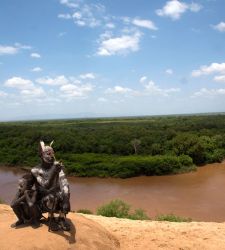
(97, 232)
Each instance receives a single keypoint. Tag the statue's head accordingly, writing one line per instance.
(46, 153)
(25, 182)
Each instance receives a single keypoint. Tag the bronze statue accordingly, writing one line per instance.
(51, 191)
(24, 204)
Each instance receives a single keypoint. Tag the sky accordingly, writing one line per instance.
(87, 58)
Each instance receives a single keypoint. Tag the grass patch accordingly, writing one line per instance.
(1, 201)
(84, 211)
(139, 214)
(172, 218)
(119, 209)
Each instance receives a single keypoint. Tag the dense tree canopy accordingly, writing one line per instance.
(111, 141)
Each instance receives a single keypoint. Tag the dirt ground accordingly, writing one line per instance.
(97, 232)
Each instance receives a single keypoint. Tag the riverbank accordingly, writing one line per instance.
(102, 233)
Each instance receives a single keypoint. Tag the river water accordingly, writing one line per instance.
(199, 195)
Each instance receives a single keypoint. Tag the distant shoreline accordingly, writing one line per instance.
(27, 169)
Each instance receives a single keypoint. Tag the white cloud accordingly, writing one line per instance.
(87, 76)
(119, 45)
(84, 14)
(211, 69)
(153, 89)
(12, 50)
(26, 87)
(76, 91)
(64, 16)
(69, 3)
(33, 93)
(35, 55)
(174, 9)
(36, 69)
(21, 46)
(195, 7)
(148, 24)
(80, 23)
(61, 34)
(118, 90)
(219, 78)
(59, 80)
(3, 94)
(143, 79)
(102, 99)
(169, 71)
(87, 14)
(8, 50)
(209, 93)
(110, 25)
(77, 15)
(219, 27)
(126, 19)
(150, 88)
(19, 83)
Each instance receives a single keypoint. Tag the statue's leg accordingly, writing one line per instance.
(51, 204)
(19, 214)
(35, 216)
(65, 225)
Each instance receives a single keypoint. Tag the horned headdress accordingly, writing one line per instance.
(43, 147)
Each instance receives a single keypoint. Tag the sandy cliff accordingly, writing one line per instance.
(97, 232)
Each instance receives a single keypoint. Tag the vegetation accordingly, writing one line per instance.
(84, 211)
(119, 209)
(119, 147)
(87, 165)
(172, 218)
(1, 201)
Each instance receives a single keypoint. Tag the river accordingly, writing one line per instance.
(199, 195)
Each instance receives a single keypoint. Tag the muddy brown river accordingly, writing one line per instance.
(199, 195)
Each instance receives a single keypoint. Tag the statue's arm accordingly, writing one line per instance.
(18, 199)
(30, 197)
(46, 183)
(63, 182)
(64, 187)
(37, 173)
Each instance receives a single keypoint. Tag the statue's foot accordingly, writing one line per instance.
(36, 224)
(64, 224)
(53, 226)
(18, 223)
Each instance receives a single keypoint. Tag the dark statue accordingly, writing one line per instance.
(45, 189)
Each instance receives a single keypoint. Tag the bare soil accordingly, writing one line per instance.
(97, 232)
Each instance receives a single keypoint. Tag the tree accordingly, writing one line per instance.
(136, 144)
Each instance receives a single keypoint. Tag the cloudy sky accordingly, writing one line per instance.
(111, 57)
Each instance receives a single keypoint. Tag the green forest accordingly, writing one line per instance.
(118, 147)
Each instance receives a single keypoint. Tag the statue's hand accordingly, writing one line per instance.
(30, 204)
(58, 166)
(66, 208)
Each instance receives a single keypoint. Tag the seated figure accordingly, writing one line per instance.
(53, 194)
(24, 203)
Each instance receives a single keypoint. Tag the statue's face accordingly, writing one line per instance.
(48, 155)
(22, 185)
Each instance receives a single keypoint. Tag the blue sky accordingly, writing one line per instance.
(69, 58)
